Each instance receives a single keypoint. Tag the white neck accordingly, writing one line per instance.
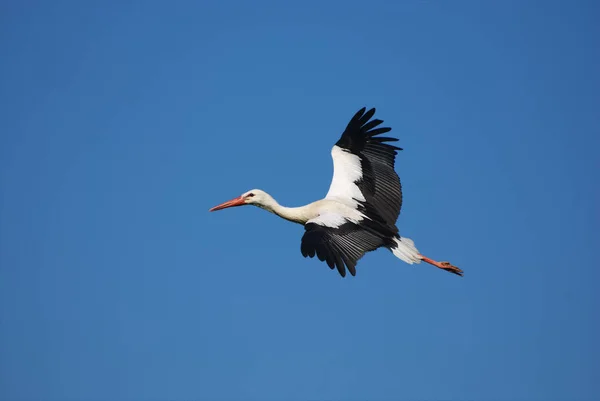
(298, 215)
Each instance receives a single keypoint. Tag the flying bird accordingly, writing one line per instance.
(359, 213)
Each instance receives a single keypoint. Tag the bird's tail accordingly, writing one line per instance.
(404, 249)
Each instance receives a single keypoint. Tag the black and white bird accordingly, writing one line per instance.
(359, 213)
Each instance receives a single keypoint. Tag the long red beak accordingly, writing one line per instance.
(239, 201)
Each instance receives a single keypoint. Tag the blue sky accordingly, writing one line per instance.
(123, 123)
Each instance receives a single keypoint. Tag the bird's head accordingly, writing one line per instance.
(254, 197)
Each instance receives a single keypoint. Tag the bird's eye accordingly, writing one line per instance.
(250, 195)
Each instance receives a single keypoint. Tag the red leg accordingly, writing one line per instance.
(443, 265)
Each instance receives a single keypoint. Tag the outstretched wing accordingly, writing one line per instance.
(363, 169)
(338, 241)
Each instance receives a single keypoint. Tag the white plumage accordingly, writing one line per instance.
(346, 172)
(406, 250)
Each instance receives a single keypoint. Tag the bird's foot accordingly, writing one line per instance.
(442, 265)
(450, 268)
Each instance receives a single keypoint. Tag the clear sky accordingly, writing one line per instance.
(124, 122)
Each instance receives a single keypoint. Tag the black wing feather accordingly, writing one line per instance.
(380, 183)
(340, 246)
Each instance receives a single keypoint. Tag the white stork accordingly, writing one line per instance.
(359, 213)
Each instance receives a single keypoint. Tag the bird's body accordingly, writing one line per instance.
(360, 210)
(303, 214)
